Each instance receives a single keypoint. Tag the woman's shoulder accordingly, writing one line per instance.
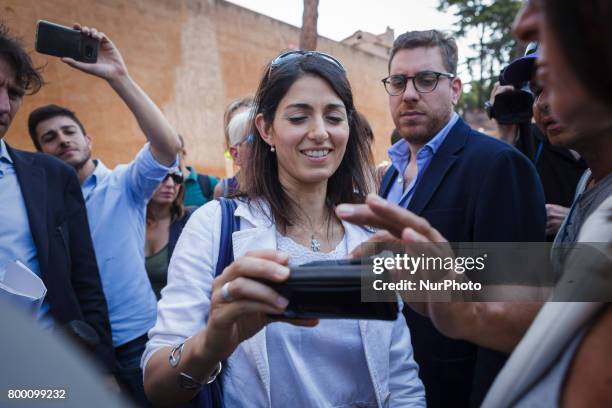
(203, 216)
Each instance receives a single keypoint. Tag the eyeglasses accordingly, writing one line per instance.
(424, 82)
(291, 55)
(176, 176)
(249, 139)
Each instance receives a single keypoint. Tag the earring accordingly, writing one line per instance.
(272, 149)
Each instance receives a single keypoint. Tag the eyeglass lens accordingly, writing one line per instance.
(423, 82)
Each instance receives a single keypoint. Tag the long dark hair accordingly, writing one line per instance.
(584, 31)
(260, 176)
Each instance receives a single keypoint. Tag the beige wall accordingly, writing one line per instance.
(190, 56)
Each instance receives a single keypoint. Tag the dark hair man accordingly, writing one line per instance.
(43, 222)
(467, 185)
(116, 201)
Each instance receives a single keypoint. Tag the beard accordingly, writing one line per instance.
(79, 165)
(423, 130)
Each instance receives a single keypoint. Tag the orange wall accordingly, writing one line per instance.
(192, 57)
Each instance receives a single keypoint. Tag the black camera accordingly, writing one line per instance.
(515, 107)
(512, 107)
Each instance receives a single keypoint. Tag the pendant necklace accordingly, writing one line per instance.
(315, 245)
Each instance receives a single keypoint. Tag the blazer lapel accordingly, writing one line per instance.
(33, 183)
(441, 162)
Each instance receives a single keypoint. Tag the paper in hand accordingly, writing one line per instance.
(22, 287)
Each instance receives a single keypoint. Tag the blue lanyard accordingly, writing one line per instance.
(538, 153)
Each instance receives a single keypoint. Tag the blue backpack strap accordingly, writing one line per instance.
(229, 224)
(387, 181)
(211, 395)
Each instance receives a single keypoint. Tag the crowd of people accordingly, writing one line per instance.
(175, 303)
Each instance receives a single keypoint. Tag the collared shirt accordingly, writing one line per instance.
(116, 206)
(194, 196)
(16, 241)
(399, 154)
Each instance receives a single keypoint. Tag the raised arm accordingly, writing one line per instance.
(110, 66)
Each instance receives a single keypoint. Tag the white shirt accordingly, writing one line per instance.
(183, 311)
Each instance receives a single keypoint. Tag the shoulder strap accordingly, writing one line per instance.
(229, 224)
(204, 182)
(224, 187)
(387, 180)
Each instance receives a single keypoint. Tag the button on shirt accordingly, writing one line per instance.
(116, 207)
(16, 242)
(399, 154)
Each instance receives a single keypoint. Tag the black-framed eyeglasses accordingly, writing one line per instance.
(176, 176)
(424, 82)
(291, 55)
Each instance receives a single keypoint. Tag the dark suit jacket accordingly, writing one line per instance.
(58, 223)
(476, 189)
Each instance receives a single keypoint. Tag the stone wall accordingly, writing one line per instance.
(191, 56)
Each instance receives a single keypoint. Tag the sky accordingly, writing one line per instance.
(339, 19)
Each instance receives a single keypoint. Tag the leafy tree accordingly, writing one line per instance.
(490, 23)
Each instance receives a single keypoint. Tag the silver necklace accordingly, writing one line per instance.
(315, 245)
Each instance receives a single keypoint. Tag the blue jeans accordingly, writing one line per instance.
(129, 373)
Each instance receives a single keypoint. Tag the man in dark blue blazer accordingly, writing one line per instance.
(468, 186)
(44, 223)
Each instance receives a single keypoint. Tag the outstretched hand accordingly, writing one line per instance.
(399, 222)
(399, 225)
(110, 65)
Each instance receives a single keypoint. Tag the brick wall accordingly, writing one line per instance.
(191, 56)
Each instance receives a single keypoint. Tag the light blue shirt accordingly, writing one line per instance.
(399, 154)
(116, 207)
(16, 242)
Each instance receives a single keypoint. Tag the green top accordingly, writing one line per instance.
(193, 192)
(157, 269)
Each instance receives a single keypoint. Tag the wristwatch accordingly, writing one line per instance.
(185, 380)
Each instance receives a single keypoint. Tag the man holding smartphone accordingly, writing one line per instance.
(116, 201)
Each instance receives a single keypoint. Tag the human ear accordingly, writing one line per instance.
(234, 153)
(88, 141)
(265, 129)
(456, 87)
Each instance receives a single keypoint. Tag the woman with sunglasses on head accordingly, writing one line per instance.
(166, 217)
(309, 153)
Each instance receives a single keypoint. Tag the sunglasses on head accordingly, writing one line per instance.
(176, 176)
(292, 55)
